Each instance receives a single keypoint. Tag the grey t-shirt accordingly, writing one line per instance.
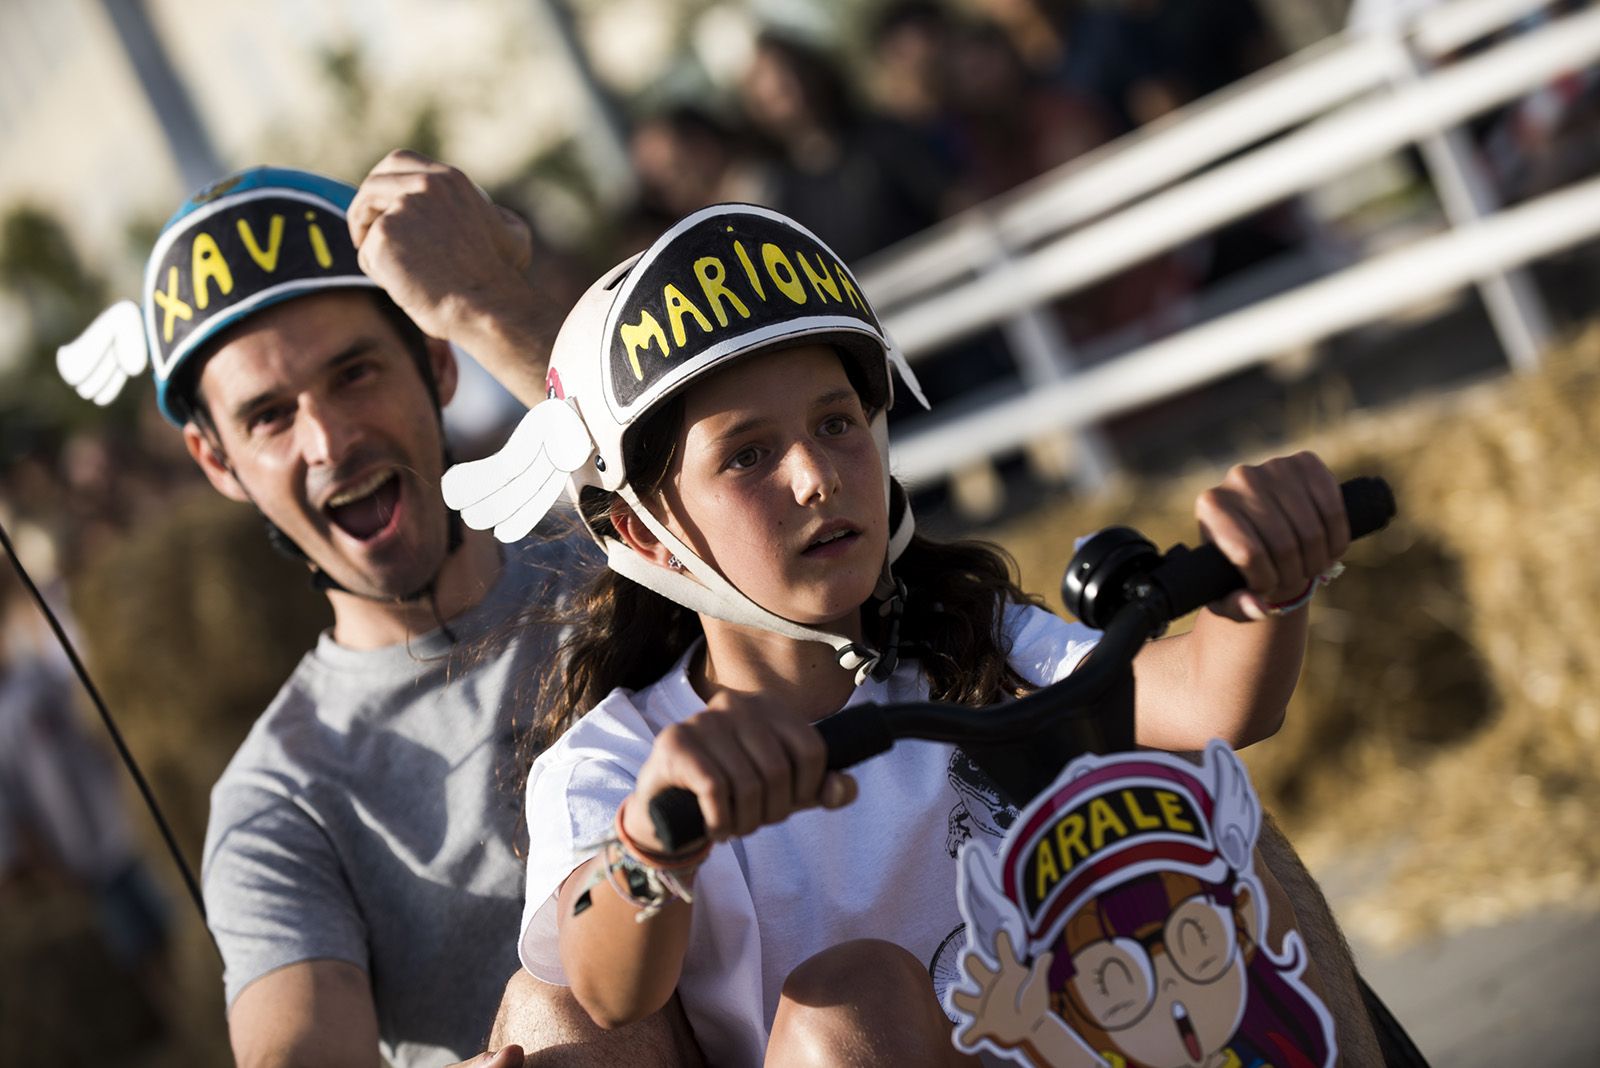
(369, 817)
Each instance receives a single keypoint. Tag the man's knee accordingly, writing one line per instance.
(552, 1028)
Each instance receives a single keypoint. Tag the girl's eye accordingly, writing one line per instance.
(744, 458)
(834, 425)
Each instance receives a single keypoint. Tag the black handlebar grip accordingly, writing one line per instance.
(855, 734)
(675, 814)
(1193, 578)
(1369, 505)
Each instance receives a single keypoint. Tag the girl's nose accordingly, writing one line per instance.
(813, 474)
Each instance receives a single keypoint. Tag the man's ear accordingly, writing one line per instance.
(213, 463)
(636, 536)
(446, 373)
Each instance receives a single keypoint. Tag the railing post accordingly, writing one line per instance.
(1044, 354)
(1516, 309)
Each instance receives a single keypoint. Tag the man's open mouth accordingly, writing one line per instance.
(365, 509)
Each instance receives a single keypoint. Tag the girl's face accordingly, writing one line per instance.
(777, 483)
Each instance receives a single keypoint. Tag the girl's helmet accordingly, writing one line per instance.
(722, 283)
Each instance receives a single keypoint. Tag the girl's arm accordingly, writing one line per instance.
(1283, 524)
(748, 766)
(620, 970)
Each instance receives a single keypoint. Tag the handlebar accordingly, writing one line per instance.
(1117, 583)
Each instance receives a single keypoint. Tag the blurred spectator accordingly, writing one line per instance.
(684, 159)
(1010, 125)
(1194, 48)
(861, 182)
(61, 804)
(908, 72)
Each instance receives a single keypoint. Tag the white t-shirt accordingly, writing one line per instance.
(883, 867)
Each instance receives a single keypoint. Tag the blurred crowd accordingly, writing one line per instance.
(949, 106)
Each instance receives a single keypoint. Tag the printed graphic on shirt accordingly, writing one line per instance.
(979, 810)
(1121, 925)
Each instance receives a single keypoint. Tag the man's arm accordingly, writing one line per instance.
(457, 264)
(305, 1015)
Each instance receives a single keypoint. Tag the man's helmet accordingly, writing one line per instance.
(241, 244)
(723, 283)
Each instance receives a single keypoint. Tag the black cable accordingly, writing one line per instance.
(116, 735)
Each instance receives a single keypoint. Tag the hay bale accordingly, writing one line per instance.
(1448, 719)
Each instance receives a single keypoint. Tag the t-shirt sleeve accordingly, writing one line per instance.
(574, 789)
(1044, 647)
(275, 892)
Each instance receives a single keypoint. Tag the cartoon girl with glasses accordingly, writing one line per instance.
(1160, 959)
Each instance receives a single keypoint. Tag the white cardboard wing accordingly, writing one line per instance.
(110, 351)
(513, 489)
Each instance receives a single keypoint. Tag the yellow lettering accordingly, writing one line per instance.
(207, 263)
(1047, 873)
(319, 244)
(818, 281)
(1070, 845)
(171, 304)
(849, 287)
(678, 306)
(1102, 819)
(1172, 810)
(749, 269)
(642, 335)
(268, 260)
(1135, 813)
(712, 275)
(773, 256)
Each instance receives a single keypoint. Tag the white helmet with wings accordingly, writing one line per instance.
(722, 283)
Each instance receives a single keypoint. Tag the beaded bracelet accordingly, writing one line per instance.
(644, 878)
(1294, 604)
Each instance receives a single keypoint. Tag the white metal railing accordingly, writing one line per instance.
(1095, 217)
(1378, 287)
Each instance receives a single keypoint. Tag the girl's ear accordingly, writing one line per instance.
(636, 536)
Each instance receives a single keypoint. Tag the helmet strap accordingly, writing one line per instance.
(700, 588)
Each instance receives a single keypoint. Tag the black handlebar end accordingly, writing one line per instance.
(1368, 504)
(675, 814)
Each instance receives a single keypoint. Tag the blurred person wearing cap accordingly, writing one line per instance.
(360, 872)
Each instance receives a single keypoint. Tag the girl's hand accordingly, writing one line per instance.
(1282, 523)
(748, 766)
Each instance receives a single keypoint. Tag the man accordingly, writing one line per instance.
(359, 868)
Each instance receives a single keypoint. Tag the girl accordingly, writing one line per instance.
(717, 412)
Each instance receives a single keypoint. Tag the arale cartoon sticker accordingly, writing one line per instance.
(1122, 925)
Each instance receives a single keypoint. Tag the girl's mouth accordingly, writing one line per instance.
(833, 543)
(1191, 1041)
(368, 508)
